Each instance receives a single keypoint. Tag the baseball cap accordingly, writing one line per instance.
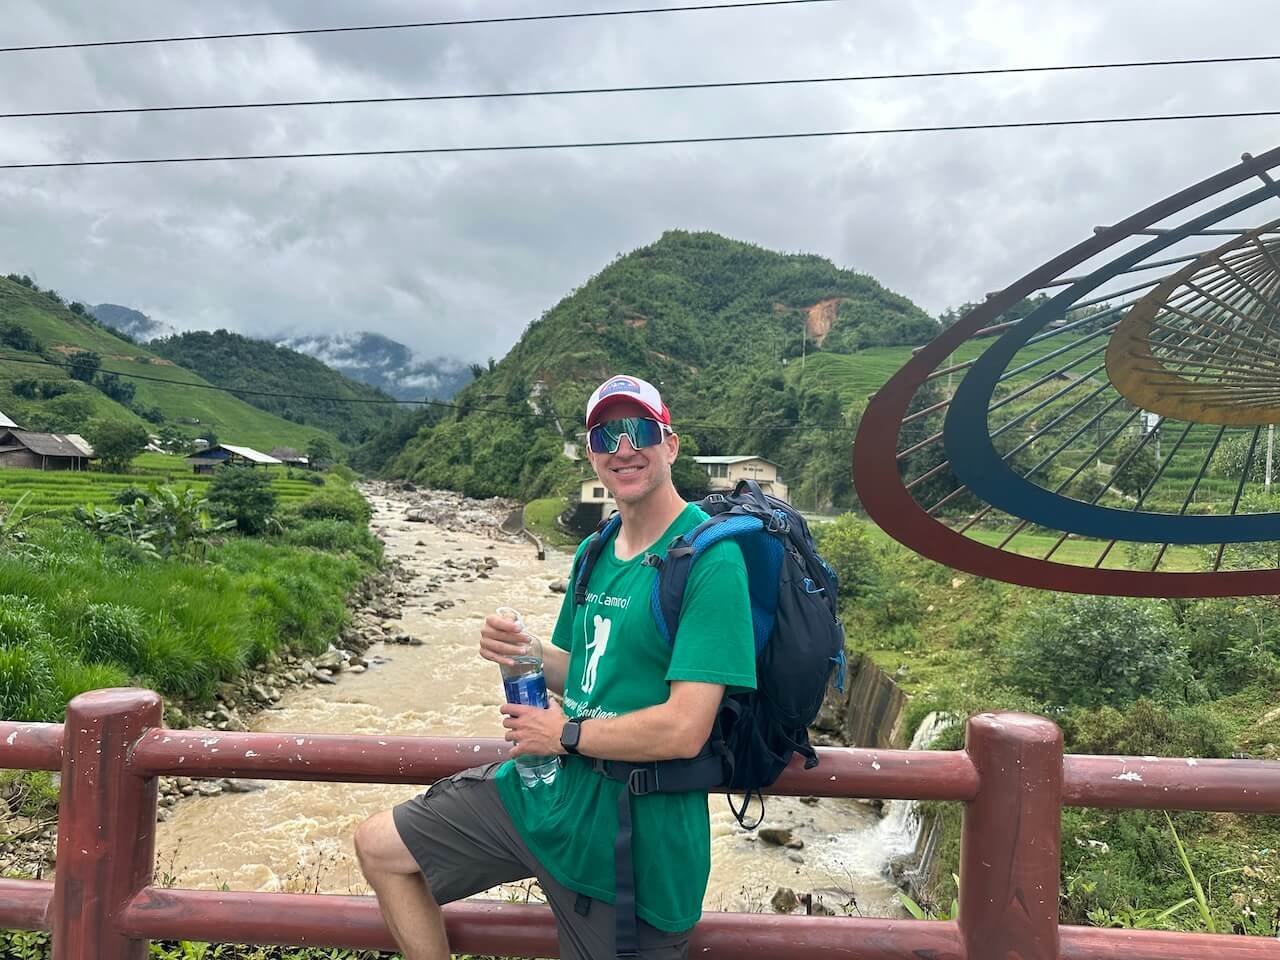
(624, 387)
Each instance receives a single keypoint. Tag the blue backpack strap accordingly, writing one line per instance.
(587, 559)
(761, 552)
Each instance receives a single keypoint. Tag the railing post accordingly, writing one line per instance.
(1010, 853)
(106, 824)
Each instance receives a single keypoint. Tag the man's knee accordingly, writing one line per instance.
(380, 849)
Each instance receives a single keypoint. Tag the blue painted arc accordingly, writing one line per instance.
(979, 466)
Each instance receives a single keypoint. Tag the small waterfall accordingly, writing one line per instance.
(898, 831)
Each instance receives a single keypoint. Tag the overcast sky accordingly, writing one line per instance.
(455, 255)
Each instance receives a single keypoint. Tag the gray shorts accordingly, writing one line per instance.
(464, 841)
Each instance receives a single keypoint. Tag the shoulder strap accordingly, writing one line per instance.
(667, 599)
(587, 559)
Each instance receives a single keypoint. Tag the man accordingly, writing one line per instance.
(628, 696)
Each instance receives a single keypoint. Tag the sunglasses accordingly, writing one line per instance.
(641, 431)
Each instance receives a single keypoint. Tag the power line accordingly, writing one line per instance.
(368, 28)
(645, 88)
(466, 409)
(662, 141)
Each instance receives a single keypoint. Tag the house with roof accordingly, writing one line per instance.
(725, 472)
(291, 457)
(225, 453)
(43, 451)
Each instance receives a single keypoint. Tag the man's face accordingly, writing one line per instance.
(631, 474)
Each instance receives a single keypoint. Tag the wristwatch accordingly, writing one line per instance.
(569, 736)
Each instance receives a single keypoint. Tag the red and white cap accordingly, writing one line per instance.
(622, 387)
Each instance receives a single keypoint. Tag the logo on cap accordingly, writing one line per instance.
(619, 385)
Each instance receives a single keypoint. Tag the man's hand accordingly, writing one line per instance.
(533, 730)
(500, 640)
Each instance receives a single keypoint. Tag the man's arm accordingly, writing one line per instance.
(676, 729)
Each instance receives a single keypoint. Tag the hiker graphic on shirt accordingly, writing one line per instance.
(595, 650)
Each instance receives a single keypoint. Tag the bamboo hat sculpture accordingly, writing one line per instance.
(1111, 430)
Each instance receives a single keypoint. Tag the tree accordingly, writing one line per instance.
(1136, 475)
(1080, 651)
(84, 365)
(244, 495)
(690, 477)
(319, 451)
(117, 442)
(121, 391)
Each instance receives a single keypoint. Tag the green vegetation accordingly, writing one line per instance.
(540, 518)
(53, 492)
(1145, 678)
(147, 594)
(231, 360)
(718, 325)
(37, 329)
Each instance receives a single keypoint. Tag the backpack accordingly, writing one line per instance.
(799, 642)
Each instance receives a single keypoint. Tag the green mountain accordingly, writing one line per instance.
(230, 360)
(726, 329)
(37, 326)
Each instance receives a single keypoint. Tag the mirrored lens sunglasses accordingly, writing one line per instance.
(641, 431)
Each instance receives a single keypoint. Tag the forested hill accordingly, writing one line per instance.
(727, 329)
(237, 362)
(40, 334)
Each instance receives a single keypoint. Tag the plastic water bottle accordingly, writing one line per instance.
(523, 682)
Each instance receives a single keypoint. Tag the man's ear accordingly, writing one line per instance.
(675, 447)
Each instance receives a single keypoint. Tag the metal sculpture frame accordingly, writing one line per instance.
(967, 439)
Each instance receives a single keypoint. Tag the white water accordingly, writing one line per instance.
(898, 834)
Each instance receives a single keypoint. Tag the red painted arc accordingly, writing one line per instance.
(891, 506)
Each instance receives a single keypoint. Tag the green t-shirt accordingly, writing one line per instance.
(618, 663)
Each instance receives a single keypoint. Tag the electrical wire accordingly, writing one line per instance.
(506, 411)
(647, 88)
(368, 28)
(663, 141)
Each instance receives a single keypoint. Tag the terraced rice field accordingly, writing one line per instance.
(60, 492)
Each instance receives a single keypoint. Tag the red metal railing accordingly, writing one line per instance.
(1012, 777)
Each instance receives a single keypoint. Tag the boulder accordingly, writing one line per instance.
(777, 836)
(784, 900)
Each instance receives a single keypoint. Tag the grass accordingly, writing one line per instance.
(540, 518)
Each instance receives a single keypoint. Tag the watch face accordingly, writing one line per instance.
(569, 735)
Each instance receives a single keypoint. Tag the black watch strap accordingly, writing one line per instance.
(569, 735)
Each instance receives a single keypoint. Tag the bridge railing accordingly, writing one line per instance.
(1011, 776)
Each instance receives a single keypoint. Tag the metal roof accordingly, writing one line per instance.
(737, 459)
(5, 421)
(250, 454)
(82, 443)
(49, 444)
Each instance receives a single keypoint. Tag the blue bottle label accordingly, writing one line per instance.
(530, 689)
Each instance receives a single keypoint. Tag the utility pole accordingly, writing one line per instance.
(1271, 440)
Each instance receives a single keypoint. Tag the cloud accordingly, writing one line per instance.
(455, 255)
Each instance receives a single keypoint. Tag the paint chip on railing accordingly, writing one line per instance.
(250, 753)
(1191, 761)
(12, 737)
(1129, 775)
(875, 764)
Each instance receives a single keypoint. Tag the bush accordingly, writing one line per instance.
(244, 495)
(112, 633)
(21, 622)
(72, 678)
(1148, 729)
(335, 536)
(1079, 651)
(846, 546)
(27, 688)
(127, 496)
(335, 503)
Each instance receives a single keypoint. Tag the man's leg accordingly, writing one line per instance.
(410, 911)
(451, 842)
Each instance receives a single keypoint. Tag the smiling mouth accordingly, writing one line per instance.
(626, 471)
